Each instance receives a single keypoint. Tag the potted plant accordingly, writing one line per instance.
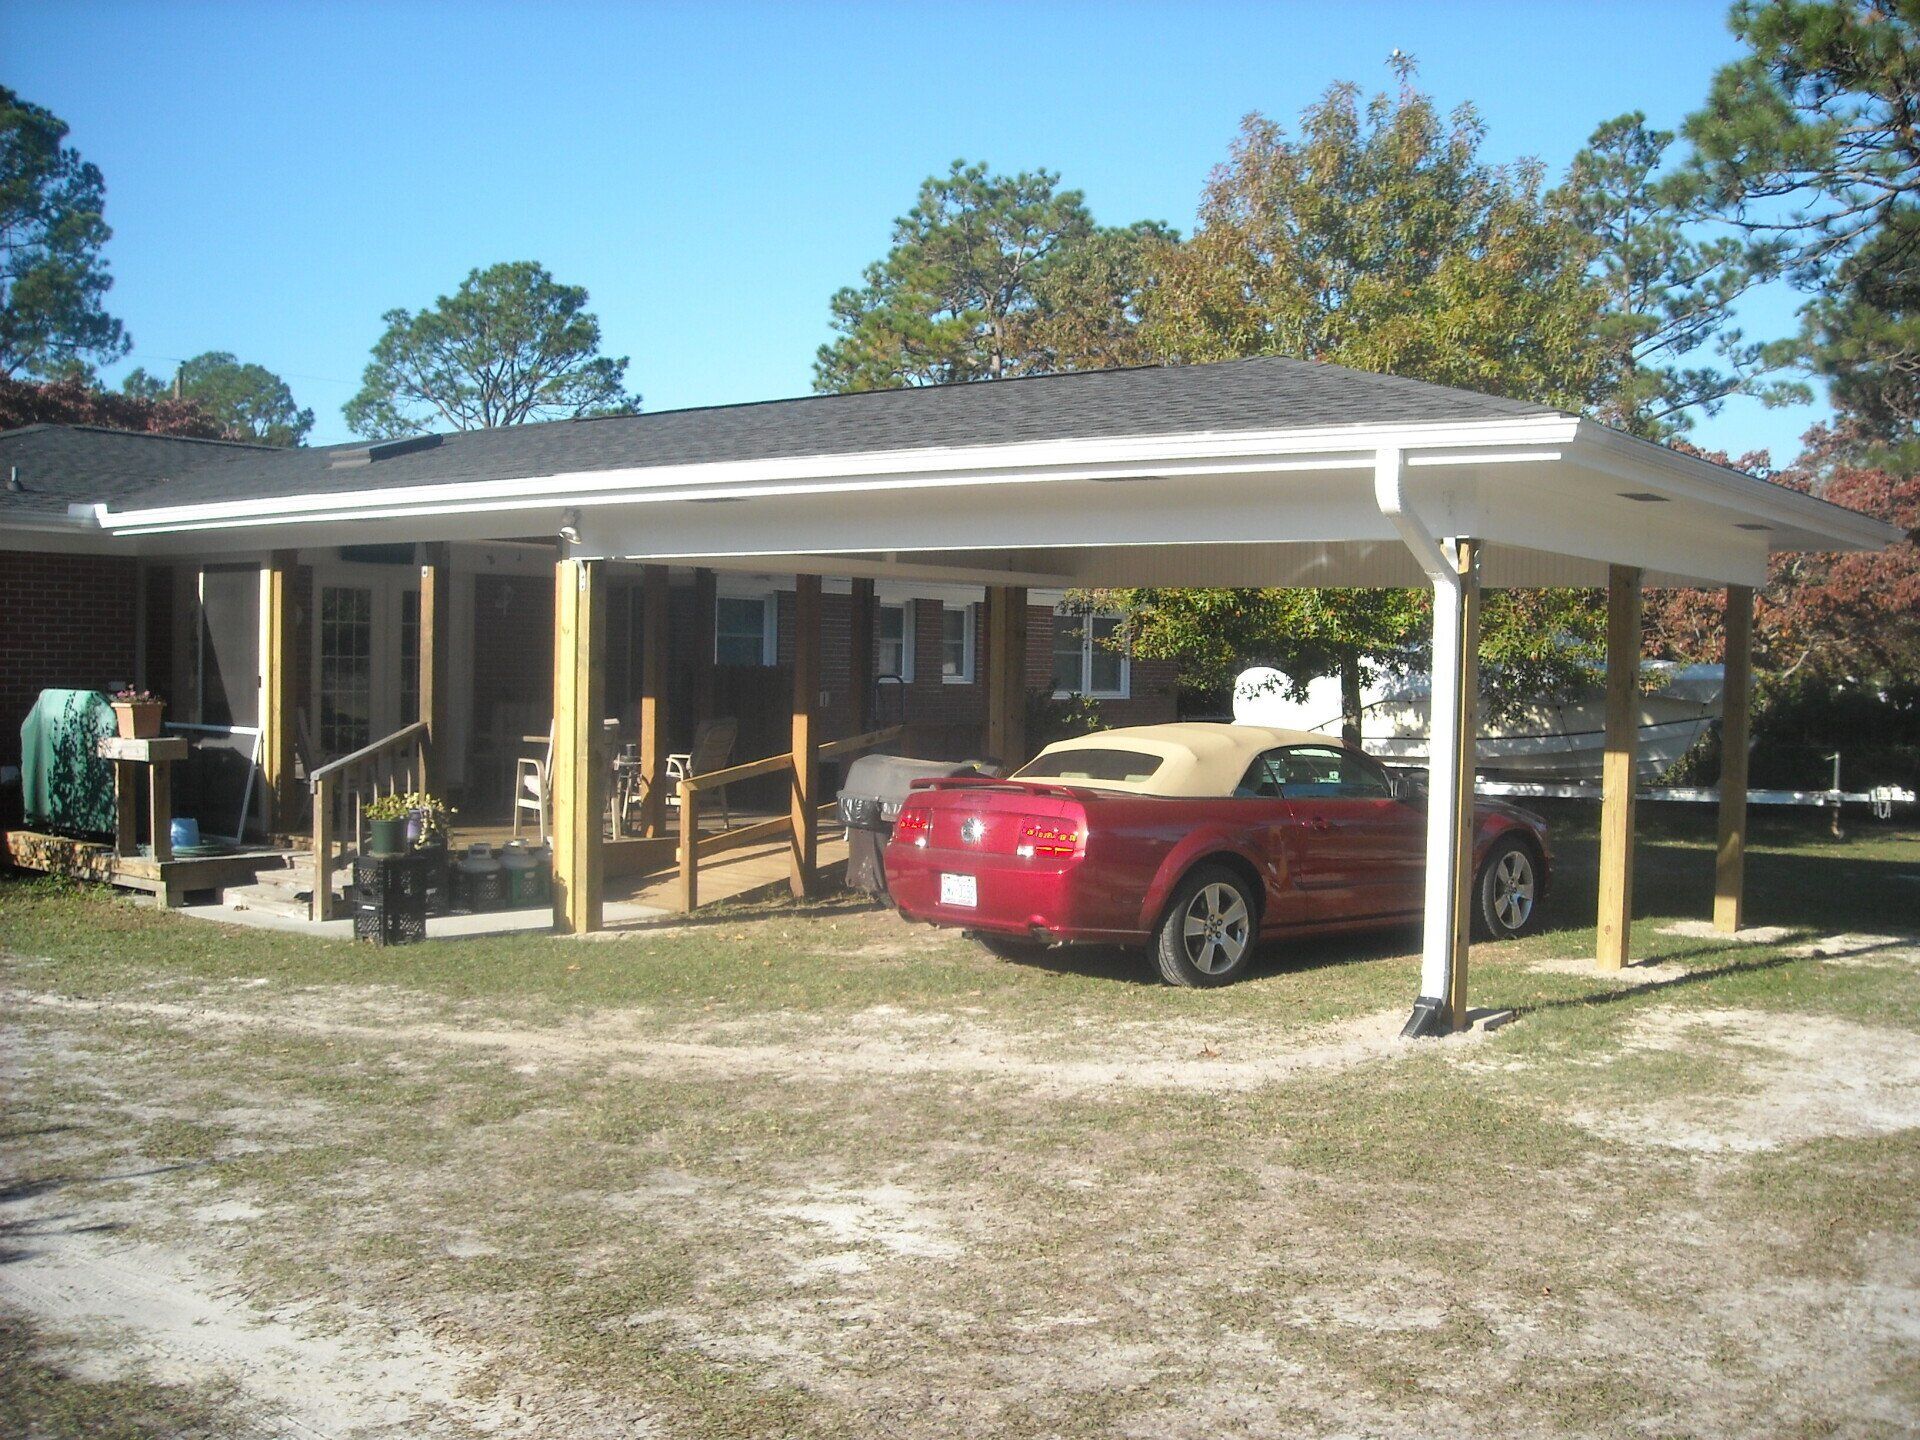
(387, 820)
(137, 713)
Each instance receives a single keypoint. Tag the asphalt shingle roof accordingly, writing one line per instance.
(61, 465)
(1268, 392)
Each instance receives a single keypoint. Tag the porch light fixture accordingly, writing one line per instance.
(570, 526)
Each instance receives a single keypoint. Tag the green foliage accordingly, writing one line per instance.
(990, 277)
(1809, 141)
(1380, 240)
(1051, 718)
(248, 402)
(1666, 331)
(52, 279)
(510, 346)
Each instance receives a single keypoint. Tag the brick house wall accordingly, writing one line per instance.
(66, 622)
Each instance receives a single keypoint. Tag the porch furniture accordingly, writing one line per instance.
(712, 749)
(530, 788)
(629, 787)
(128, 756)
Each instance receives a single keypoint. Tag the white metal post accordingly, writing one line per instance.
(1438, 948)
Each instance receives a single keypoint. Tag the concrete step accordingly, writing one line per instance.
(270, 899)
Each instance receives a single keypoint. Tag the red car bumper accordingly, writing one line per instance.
(1012, 896)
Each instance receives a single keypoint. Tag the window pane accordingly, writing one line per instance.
(1105, 665)
(1069, 654)
(953, 643)
(889, 642)
(739, 631)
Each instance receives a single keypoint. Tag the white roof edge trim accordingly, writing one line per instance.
(958, 464)
(1695, 479)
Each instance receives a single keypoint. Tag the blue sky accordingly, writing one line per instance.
(278, 175)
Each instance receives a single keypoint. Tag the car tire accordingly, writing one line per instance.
(1208, 933)
(1506, 895)
(1006, 947)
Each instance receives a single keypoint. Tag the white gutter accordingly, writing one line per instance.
(1533, 438)
(1444, 781)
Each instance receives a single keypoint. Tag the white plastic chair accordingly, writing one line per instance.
(530, 787)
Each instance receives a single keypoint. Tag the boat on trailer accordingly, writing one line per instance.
(1553, 739)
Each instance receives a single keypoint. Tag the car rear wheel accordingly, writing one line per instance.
(1207, 936)
(1506, 899)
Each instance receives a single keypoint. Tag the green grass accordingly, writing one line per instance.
(1433, 1240)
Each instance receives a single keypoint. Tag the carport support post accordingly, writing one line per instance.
(860, 661)
(277, 691)
(1454, 571)
(579, 674)
(806, 741)
(436, 647)
(1615, 928)
(1730, 865)
(654, 599)
(1466, 730)
(1006, 674)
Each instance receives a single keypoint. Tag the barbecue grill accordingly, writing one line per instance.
(876, 787)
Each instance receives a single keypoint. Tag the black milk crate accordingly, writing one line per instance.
(390, 898)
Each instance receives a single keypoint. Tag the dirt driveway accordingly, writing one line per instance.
(836, 1176)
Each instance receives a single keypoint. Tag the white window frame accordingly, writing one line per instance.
(968, 645)
(1125, 692)
(905, 607)
(769, 625)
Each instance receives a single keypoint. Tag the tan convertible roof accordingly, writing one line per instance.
(1196, 759)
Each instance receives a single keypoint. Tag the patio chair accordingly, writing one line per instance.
(530, 787)
(712, 750)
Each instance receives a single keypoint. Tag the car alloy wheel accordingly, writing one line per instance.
(1513, 890)
(1216, 928)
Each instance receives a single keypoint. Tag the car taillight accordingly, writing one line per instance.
(1039, 836)
(912, 826)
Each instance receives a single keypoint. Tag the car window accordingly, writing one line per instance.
(1326, 773)
(1262, 780)
(1131, 767)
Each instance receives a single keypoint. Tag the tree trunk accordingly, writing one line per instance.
(1350, 698)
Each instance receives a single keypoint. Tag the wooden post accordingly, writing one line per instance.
(689, 854)
(278, 692)
(705, 596)
(160, 809)
(1466, 555)
(126, 808)
(806, 740)
(1730, 864)
(1006, 674)
(654, 599)
(577, 783)
(436, 647)
(860, 661)
(1616, 806)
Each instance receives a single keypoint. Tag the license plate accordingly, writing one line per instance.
(960, 890)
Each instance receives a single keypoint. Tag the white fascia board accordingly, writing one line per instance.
(1323, 447)
(1687, 477)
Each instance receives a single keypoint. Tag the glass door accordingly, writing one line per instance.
(366, 682)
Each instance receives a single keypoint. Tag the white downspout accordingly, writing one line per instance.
(1443, 748)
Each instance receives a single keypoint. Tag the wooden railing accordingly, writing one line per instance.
(342, 790)
(695, 847)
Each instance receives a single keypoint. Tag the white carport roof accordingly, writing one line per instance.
(1170, 476)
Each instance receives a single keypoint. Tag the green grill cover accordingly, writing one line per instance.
(66, 785)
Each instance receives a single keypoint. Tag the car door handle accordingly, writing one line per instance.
(1319, 822)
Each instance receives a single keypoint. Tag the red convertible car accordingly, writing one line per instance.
(1194, 840)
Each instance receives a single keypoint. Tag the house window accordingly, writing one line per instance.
(893, 642)
(956, 644)
(1085, 661)
(743, 630)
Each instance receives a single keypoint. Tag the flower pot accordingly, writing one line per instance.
(138, 719)
(387, 837)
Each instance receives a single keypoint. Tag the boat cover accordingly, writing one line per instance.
(65, 785)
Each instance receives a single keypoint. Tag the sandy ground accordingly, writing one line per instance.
(848, 1276)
